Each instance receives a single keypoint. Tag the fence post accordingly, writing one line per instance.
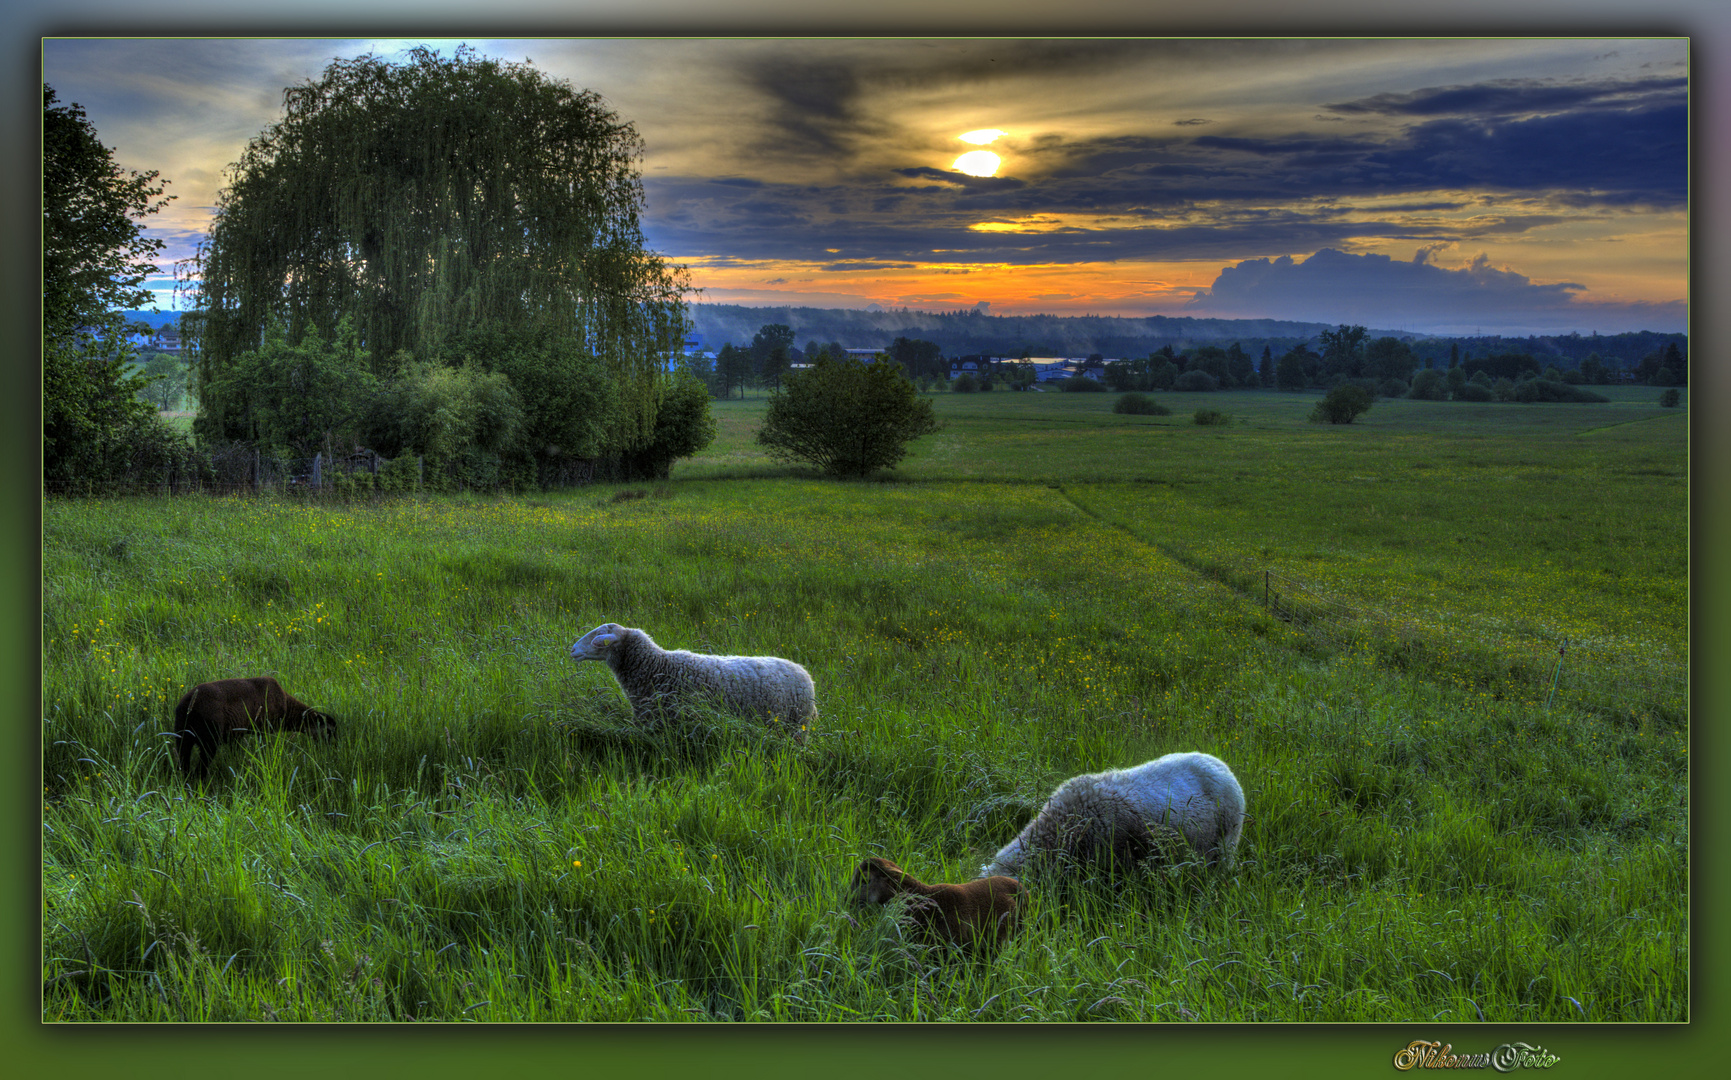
(318, 468)
(1561, 649)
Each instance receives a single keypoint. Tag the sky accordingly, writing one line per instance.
(1443, 185)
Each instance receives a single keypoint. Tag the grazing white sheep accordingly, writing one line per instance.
(656, 679)
(1128, 813)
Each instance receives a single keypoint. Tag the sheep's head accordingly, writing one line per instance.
(597, 643)
(317, 724)
(876, 881)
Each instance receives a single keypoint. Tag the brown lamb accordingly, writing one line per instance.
(981, 912)
(212, 713)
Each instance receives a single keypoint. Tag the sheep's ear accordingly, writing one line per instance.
(602, 641)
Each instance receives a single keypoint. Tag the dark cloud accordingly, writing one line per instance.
(1515, 97)
(960, 179)
(1333, 286)
(1637, 156)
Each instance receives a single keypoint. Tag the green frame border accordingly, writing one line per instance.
(1345, 1051)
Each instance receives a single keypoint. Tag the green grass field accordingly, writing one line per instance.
(1042, 588)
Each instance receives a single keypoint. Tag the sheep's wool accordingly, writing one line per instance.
(1126, 812)
(656, 679)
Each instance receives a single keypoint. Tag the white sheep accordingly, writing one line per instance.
(656, 679)
(1128, 813)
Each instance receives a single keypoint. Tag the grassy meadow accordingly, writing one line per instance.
(1447, 820)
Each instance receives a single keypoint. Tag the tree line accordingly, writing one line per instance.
(1385, 366)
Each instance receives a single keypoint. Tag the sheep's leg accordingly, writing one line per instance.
(187, 741)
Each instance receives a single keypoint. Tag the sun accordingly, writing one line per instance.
(978, 163)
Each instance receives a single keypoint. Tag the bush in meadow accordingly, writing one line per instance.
(1139, 404)
(846, 417)
(1342, 405)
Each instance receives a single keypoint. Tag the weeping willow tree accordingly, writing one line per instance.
(427, 199)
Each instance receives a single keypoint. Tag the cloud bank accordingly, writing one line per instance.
(1376, 290)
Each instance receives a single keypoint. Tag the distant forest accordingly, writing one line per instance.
(971, 333)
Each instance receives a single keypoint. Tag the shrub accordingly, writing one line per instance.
(1083, 385)
(1668, 399)
(1549, 390)
(1503, 389)
(1429, 385)
(683, 426)
(1208, 417)
(1140, 405)
(965, 383)
(1392, 388)
(1342, 405)
(401, 473)
(846, 417)
(1195, 380)
(1474, 391)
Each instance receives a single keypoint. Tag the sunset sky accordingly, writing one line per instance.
(1445, 186)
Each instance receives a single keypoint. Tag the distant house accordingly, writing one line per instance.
(1049, 368)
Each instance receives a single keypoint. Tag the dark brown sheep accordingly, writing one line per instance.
(212, 713)
(978, 913)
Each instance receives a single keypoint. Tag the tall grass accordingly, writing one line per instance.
(489, 837)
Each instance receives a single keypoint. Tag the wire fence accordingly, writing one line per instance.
(1610, 678)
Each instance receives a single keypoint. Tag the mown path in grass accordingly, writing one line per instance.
(489, 838)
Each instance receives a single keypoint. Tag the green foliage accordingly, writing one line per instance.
(1343, 351)
(300, 398)
(965, 383)
(683, 426)
(1474, 391)
(1139, 404)
(1548, 390)
(95, 258)
(442, 411)
(1341, 405)
(1195, 380)
(919, 358)
(1290, 373)
(426, 199)
(1389, 358)
(166, 377)
(568, 397)
(400, 475)
(1670, 398)
(1210, 417)
(1082, 384)
(846, 417)
(1429, 385)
